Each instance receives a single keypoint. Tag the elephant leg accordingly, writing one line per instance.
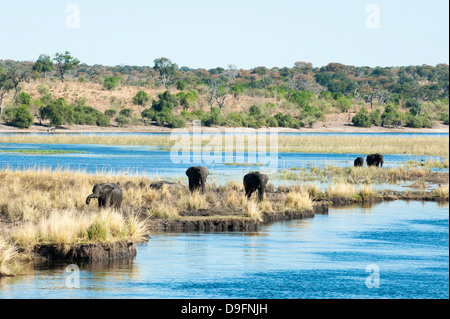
(203, 182)
(101, 201)
(261, 193)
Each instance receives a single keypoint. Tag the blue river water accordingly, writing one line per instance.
(389, 250)
(156, 162)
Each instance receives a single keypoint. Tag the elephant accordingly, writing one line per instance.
(375, 160)
(108, 194)
(255, 181)
(359, 161)
(197, 178)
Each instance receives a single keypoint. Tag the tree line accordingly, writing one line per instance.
(389, 96)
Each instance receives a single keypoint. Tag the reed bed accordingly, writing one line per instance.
(419, 145)
(363, 175)
(9, 263)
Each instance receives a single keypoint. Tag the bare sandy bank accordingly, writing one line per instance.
(329, 128)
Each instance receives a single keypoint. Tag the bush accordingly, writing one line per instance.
(19, 116)
(288, 121)
(213, 118)
(375, 117)
(148, 114)
(343, 103)
(141, 98)
(110, 113)
(362, 119)
(166, 102)
(122, 120)
(182, 85)
(418, 121)
(392, 117)
(126, 112)
(271, 122)
(111, 82)
(103, 120)
(58, 112)
(23, 98)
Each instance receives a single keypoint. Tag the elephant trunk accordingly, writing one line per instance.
(88, 199)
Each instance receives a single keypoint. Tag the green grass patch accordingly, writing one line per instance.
(41, 152)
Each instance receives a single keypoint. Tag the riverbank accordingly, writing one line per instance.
(334, 126)
(43, 214)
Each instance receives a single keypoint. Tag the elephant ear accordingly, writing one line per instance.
(107, 188)
(264, 179)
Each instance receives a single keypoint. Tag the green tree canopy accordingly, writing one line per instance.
(65, 62)
(43, 64)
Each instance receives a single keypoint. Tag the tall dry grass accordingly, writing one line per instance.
(420, 145)
(72, 227)
(9, 264)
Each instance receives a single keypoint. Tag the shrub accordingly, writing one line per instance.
(103, 120)
(167, 101)
(418, 121)
(141, 98)
(392, 117)
(375, 117)
(215, 117)
(126, 112)
(362, 118)
(122, 120)
(19, 116)
(271, 122)
(148, 113)
(23, 98)
(111, 82)
(110, 113)
(343, 103)
(181, 85)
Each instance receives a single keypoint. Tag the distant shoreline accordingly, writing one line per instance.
(343, 128)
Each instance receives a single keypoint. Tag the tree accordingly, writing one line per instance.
(141, 98)
(58, 112)
(362, 118)
(166, 102)
(5, 86)
(21, 117)
(110, 82)
(43, 64)
(17, 74)
(64, 63)
(166, 70)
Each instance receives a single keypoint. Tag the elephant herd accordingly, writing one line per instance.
(371, 160)
(110, 195)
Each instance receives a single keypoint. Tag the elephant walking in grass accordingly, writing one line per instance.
(375, 160)
(197, 178)
(255, 181)
(108, 194)
(359, 161)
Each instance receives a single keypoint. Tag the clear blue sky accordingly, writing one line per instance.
(211, 33)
